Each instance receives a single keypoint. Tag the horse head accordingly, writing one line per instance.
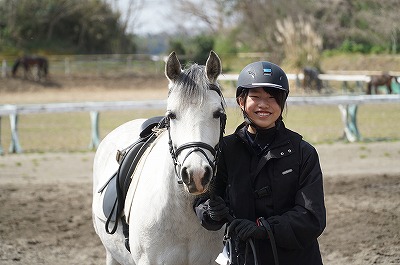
(196, 120)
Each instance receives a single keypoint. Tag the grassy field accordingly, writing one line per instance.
(71, 132)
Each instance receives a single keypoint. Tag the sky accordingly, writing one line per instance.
(153, 17)
(157, 16)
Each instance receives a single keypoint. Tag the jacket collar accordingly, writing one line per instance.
(281, 146)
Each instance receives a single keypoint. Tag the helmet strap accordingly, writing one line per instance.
(251, 123)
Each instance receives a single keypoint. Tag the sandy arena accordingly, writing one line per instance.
(45, 200)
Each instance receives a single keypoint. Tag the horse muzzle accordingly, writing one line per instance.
(196, 180)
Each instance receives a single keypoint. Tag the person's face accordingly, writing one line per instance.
(261, 107)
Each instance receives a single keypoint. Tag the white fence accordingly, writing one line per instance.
(347, 106)
(331, 77)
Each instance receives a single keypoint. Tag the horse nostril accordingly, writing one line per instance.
(185, 175)
(207, 176)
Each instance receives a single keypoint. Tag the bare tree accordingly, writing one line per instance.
(258, 20)
(216, 15)
(129, 18)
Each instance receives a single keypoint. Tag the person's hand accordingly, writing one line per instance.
(217, 209)
(246, 229)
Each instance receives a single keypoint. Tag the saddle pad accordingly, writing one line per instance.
(107, 196)
(100, 207)
(111, 200)
(135, 179)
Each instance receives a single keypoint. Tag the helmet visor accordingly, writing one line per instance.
(254, 85)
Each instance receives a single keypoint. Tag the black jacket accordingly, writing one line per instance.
(283, 184)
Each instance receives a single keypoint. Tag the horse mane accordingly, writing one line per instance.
(193, 84)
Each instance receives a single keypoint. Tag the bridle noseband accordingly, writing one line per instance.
(197, 146)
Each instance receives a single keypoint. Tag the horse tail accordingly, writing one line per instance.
(15, 66)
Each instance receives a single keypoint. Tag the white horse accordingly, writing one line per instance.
(163, 227)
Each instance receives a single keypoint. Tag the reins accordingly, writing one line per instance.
(228, 240)
(261, 221)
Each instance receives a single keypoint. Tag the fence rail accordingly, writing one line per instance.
(331, 77)
(347, 105)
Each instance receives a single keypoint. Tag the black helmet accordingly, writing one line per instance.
(262, 74)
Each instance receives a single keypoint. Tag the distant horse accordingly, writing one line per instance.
(179, 167)
(380, 80)
(311, 79)
(29, 62)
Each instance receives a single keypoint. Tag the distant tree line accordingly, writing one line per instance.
(299, 31)
(62, 26)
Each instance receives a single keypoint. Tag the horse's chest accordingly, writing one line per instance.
(171, 242)
(164, 250)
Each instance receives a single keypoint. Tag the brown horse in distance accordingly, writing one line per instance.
(380, 80)
(311, 79)
(28, 62)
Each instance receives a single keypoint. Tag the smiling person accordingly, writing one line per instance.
(269, 179)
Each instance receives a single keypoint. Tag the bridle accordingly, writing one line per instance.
(197, 146)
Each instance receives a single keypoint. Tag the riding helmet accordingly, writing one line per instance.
(262, 74)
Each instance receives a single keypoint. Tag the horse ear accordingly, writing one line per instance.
(213, 67)
(172, 67)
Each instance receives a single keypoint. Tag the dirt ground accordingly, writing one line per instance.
(45, 200)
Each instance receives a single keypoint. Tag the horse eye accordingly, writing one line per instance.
(171, 115)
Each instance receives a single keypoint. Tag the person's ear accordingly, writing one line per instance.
(240, 101)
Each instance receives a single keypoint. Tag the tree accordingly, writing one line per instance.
(64, 26)
(214, 15)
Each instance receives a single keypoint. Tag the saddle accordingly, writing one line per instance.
(118, 184)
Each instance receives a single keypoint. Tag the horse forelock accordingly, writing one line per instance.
(192, 86)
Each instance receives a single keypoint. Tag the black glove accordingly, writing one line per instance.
(246, 229)
(217, 209)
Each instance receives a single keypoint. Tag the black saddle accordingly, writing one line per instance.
(118, 184)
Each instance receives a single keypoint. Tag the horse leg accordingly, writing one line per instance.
(319, 85)
(369, 89)
(389, 86)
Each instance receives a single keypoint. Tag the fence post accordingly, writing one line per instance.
(4, 69)
(298, 83)
(99, 66)
(15, 147)
(95, 138)
(67, 67)
(128, 63)
(360, 86)
(1, 148)
(345, 87)
(349, 118)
